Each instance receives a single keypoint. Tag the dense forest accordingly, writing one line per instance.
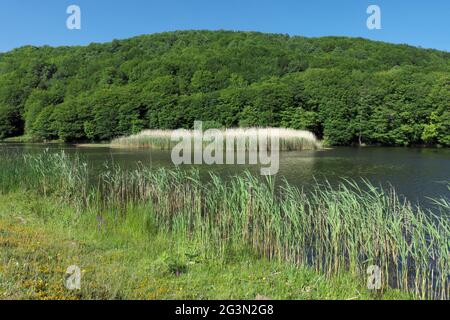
(346, 90)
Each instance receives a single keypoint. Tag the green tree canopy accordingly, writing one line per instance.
(346, 90)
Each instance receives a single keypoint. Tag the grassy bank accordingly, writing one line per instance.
(329, 232)
(127, 258)
(29, 139)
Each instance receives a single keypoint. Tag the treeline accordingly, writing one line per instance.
(345, 90)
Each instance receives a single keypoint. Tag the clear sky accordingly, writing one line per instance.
(39, 22)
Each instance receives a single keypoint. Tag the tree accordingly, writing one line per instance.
(345, 90)
(10, 121)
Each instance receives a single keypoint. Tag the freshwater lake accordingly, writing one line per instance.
(416, 173)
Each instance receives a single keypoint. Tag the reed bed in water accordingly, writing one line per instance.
(331, 229)
(289, 139)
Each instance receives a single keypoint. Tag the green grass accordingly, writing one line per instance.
(28, 139)
(19, 139)
(330, 231)
(128, 258)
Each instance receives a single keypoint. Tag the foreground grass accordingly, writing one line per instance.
(127, 258)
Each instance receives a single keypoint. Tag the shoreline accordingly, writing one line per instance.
(108, 144)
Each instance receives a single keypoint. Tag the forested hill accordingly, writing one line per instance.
(346, 90)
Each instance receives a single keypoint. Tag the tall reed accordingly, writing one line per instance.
(331, 229)
(289, 139)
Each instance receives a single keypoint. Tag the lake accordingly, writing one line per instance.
(416, 173)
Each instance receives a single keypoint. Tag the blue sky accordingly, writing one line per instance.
(415, 22)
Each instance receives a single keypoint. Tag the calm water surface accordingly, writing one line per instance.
(416, 173)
